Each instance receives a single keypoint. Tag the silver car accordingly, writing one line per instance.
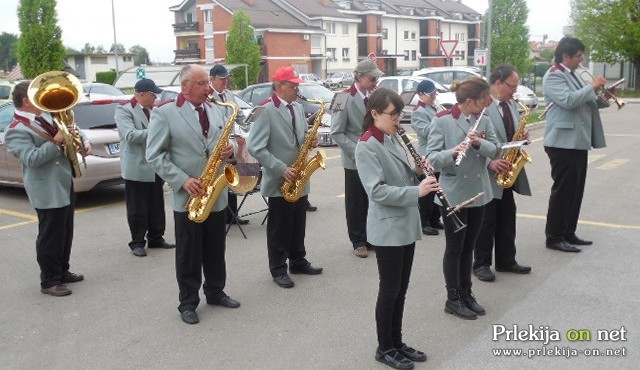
(339, 80)
(95, 119)
(408, 84)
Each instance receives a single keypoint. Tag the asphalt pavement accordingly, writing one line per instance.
(124, 316)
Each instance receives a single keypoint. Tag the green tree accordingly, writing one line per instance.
(547, 54)
(610, 30)
(40, 47)
(100, 50)
(88, 49)
(243, 49)
(71, 50)
(121, 49)
(8, 51)
(509, 34)
(140, 55)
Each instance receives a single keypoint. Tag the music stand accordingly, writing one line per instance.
(247, 170)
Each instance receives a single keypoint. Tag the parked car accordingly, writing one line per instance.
(97, 90)
(310, 77)
(339, 80)
(446, 75)
(526, 96)
(408, 84)
(6, 90)
(170, 92)
(95, 119)
(258, 93)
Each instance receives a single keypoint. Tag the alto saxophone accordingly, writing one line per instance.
(292, 191)
(516, 156)
(199, 207)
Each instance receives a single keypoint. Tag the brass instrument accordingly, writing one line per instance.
(57, 92)
(292, 191)
(516, 156)
(200, 207)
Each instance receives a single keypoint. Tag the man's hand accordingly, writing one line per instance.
(598, 82)
(428, 185)
(500, 165)
(87, 148)
(59, 138)
(194, 187)
(290, 174)
(227, 152)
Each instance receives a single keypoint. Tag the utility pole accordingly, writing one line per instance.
(488, 39)
(115, 42)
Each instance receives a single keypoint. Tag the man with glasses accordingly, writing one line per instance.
(275, 141)
(142, 186)
(346, 129)
(499, 223)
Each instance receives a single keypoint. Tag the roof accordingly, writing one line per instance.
(266, 14)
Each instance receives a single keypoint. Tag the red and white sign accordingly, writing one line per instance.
(448, 47)
(480, 57)
(372, 56)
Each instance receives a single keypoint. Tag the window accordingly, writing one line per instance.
(408, 85)
(331, 51)
(389, 84)
(330, 28)
(98, 60)
(413, 35)
(207, 16)
(126, 58)
(208, 44)
(345, 28)
(385, 33)
(316, 41)
(406, 55)
(406, 35)
(414, 55)
(345, 54)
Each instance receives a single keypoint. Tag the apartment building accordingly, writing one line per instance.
(326, 36)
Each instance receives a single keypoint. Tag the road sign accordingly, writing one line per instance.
(372, 56)
(480, 57)
(140, 73)
(448, 46)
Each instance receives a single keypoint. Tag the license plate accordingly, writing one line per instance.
(114, 148)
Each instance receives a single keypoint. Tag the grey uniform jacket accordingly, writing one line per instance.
(132, 125)
(448, 129)
(177, 149)
(420, 122)
(346, 127)
(574, 121)
(391, 186)
(46, 171)
(521, 186)
(275, 144)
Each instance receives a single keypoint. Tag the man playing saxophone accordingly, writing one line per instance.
(275, 141)
(183, 132)
(499, 223)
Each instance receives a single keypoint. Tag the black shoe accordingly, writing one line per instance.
(438, 225)
(428, 230)
(577, 241)
(563, 246)
(305, 269)
(139, 252)
(162, 245)
(459, 308)
(71, 277)
(484, 273)
(189, 316)
(394, 358)
(515, 268)
(311, 208)
(225, 301)
(283, 281)
(471, 303)
(412, 353)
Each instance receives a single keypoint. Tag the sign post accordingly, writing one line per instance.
(448, 47)
(480, 57)
(140, 73)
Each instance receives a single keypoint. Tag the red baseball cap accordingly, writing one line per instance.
(287, 73)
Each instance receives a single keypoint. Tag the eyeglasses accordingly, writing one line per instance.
(512, 87)
(394, 115)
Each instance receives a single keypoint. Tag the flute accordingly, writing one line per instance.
(467, 139)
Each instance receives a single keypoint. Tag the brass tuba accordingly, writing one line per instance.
(57, 92)
(292, 191)
(516, 156)
(200, 207)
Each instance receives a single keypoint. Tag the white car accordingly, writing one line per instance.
(526, 96)
(446, 75)
(406, 86)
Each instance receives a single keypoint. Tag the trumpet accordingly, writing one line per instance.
(606, 94)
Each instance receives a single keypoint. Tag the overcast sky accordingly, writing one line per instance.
(149, 22)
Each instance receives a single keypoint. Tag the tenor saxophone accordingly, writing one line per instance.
(199, 207)
(292, 191)
(516, 156)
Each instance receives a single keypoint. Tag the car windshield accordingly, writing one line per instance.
(100, 115)
(313, 91)
(102, 89)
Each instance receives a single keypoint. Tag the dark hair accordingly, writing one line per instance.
(378, 101)
(567, 46)
(501, 73)
(20, 92)
(472, 88)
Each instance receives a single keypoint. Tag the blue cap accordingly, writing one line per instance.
(219, 71)
(426, 86)
(146, 85)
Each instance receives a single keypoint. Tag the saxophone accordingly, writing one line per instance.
(292, 191)
(516, 156)
(200, 207)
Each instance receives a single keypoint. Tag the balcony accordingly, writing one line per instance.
(185, 27)
(187, 55)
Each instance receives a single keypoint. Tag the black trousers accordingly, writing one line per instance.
(569, 174)
(145, 211)
(499, 229)
(200, 249)
(394, 268)
(458, 253)
(285, 234)
(429, 211)
(356, 205)
(53, 244)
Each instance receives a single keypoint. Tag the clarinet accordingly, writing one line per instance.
(467, 140)
(451, 211)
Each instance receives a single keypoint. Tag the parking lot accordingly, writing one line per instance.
(124, 316)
